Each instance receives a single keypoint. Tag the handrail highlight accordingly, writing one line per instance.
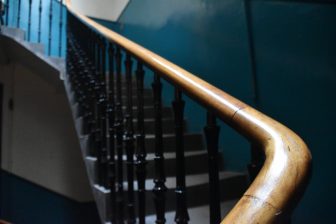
(285, 172)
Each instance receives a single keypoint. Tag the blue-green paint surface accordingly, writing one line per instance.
(296, 69)
(13, 14)
(22, 202)
(295, 61)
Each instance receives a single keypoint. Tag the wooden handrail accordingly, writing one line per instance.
(285, 172)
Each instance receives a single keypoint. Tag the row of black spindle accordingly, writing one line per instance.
(18, 3)
(99, 95)
(95, 67)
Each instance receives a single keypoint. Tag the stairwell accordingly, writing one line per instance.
(232, 184)
(94, 119)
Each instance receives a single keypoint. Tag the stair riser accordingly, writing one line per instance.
(191, 166)
(146, 92)
(149, 111)
(231, 188)
(168, 127)
(18, 34)
(192, 143)
(148, 100)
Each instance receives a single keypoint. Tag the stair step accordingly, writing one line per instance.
(192, 161)
(198, 215)
(168, 126)
(148, 109)
(192, 142)
(150, 112)
(147, 100)
(58, 62)
(15, 33)
(102, 197)
(146, 92)
(232, 186)
(36, 47)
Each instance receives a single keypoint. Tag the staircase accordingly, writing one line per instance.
(37, 49)
(232, 184)
(182, 175)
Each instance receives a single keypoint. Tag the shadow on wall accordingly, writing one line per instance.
(211, 41)
(25, 202)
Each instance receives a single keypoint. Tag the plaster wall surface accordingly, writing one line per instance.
(39, 140)
(101, 9)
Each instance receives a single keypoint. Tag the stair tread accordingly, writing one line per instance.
(198, 215)
(169, 135)
(13, 32)
(172, 155)
(151, 156)
(191, 180)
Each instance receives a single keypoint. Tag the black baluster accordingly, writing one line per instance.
(129, 141)
(141, 150)
(7, 11)
(50, 26)
(29, 19)
(181, 216)
(98, 114)
(103, 102)
(39, 22)
(2, 7)
(19, 15)
(212, 134)
(60, 29)
(119, 140)
(160, 178)
(257, 160)
(111, 116)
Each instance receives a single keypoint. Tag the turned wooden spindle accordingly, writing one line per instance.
(111, 122)
(129, 141)
(119, 138)
(211, 131)
(141, 149)
(181, 216)
(39, 21)
(160, 188)
(50, 26)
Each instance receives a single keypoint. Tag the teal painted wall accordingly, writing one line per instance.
(294, 62)
(14, 13)
(296, 69)
(22, 202)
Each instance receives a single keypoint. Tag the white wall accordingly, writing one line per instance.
(102, 9)
(39, 139)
